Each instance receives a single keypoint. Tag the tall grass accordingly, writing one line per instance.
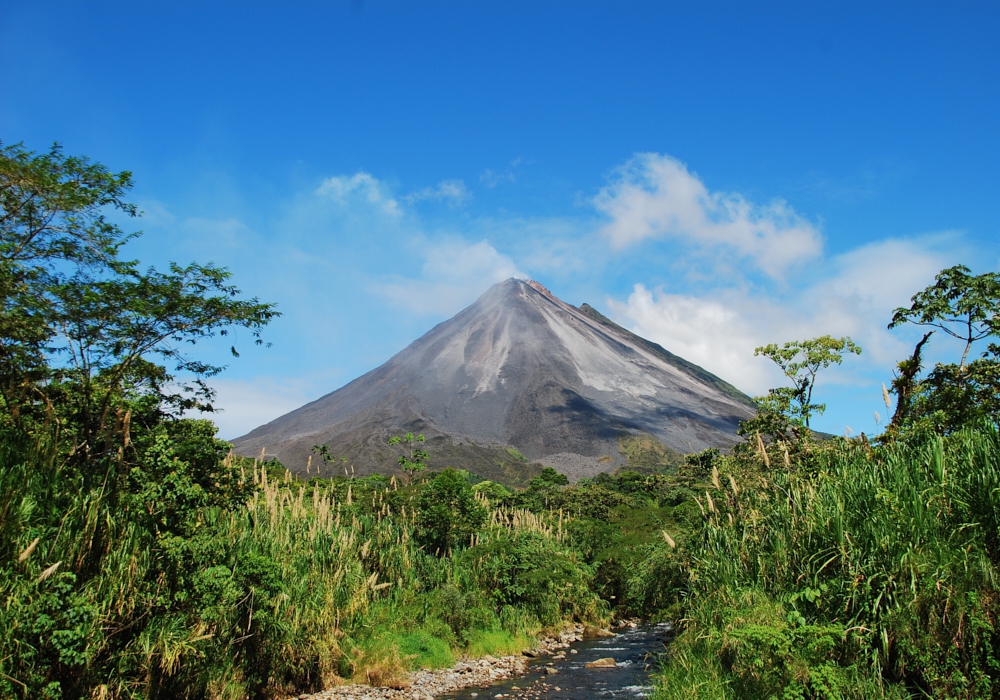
(873, 573)
(301, 587)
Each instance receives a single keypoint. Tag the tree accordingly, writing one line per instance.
(964, 306)
(776, 416)
(449, 512)
(801, 361)
(52, 223)
(413, 461)
(952, 397)
(905, 383)
(548, 479)
(83, 333)
(324, 454)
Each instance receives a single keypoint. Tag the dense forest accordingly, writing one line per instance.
(140, 558)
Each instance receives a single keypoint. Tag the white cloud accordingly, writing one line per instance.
(854, 294)
(715, 332)
(655, 196)
(247, 404)
(452, 191)
(453, 275)
(492, 178)
(361, 186)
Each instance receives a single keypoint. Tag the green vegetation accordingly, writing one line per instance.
(853, 568)
(857, 571)
(413, 461)
(140, 559)
(647, 455)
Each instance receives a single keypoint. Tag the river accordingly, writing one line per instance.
(636, 651)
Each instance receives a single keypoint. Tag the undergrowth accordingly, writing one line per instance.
(852, 571)
(251, 584)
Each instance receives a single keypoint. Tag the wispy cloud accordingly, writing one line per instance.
(454, 273)
(244, 405)
(655, 196)
(452, 191)
(491, 178)
(850, 294)
(345, 188)
(154, 213)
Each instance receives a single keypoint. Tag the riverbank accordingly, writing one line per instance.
(427, 684)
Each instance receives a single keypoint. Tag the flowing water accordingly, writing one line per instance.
(636, 651)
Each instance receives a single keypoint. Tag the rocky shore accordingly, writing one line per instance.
(467, 673)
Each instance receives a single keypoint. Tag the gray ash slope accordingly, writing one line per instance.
(518, 368)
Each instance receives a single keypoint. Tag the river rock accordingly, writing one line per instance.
(591, 632)
(552, 671)
(607, 662)
(426, 684)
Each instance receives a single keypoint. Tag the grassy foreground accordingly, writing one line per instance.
(241, 582)
(823, 570)
(848, 571)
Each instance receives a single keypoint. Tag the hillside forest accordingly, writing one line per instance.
(141, 559)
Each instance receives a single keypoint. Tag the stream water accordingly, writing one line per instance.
(636, 651)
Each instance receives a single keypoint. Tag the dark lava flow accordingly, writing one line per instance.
(636, 651)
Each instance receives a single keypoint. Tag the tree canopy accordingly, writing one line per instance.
(963, 305)
(82, 330)
(801, 361)
(952, 395)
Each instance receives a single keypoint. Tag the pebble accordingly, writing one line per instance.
(427, 684)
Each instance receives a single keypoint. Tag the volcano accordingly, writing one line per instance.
(517, 377)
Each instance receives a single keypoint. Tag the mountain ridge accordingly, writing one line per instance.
(517, 368)
(695, 370)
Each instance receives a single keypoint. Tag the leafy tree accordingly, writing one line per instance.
(700, 465)
(449, 512)
(905, 383)
(492, 490)
(324, 454)
(801, 361)
(413, 461)
(548, 479)
(83, 332)
(775, 417)
(964, 306)
(953, 396)
(52, 222)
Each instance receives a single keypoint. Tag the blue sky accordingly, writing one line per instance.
(714, 176)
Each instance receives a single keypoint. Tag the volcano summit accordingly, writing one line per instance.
(517, 369)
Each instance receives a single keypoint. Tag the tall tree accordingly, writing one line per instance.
(801, 361)
(966, 307)
(81, 329)
(963, 305)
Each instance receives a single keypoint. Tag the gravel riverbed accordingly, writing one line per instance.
(467, 673)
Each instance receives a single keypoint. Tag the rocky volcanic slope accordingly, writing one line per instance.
(518, 368)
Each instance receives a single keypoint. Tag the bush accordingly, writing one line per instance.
(876, 571)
